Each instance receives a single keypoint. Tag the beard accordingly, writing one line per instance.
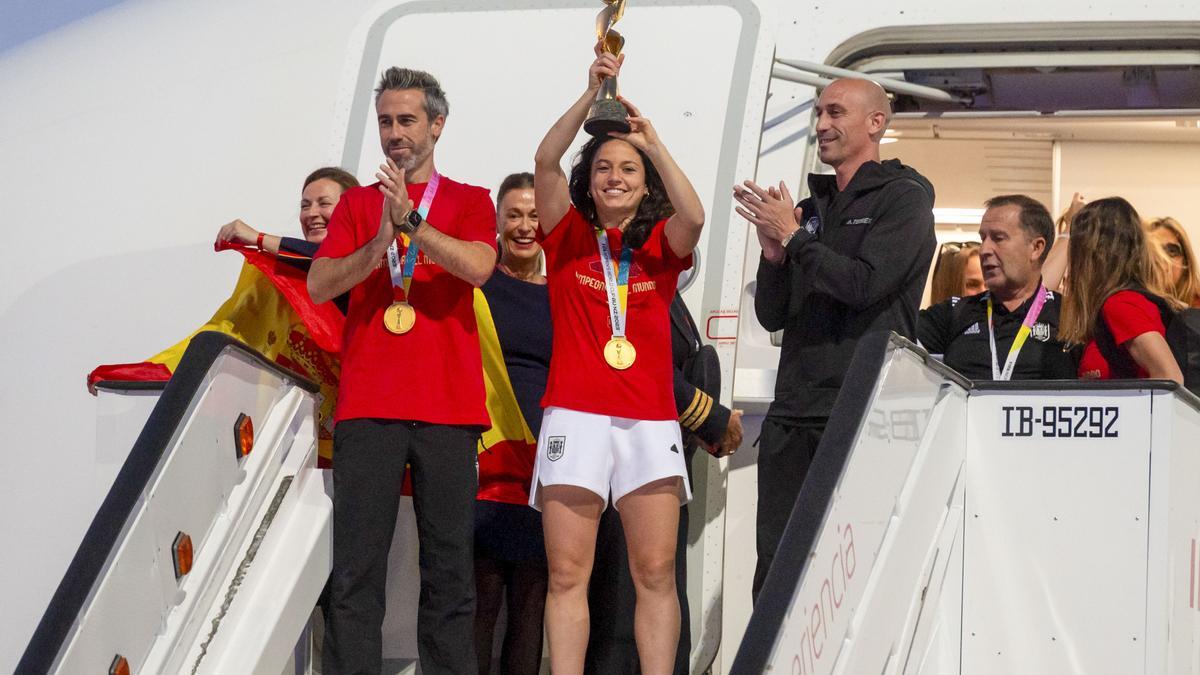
(416, 154)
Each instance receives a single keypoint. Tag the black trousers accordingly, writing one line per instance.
(368, 467)
(785, 452)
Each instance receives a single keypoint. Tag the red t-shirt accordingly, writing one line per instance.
(433, 373)
(1129, 314)
(580, 379)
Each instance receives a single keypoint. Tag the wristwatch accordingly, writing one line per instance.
(788, 239)
(410, 223)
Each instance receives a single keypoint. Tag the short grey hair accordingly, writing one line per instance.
(395, 79)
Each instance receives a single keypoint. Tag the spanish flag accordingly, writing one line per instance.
(270, 312)
(506, 450)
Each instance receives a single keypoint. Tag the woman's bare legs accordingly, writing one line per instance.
(650, 516)
(570, 515)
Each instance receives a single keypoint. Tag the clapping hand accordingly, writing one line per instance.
(772, 212)
(396, 202)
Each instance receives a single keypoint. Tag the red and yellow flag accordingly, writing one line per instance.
(270, 312)
(507, 449)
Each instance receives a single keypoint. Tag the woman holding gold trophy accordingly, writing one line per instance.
(616, 232)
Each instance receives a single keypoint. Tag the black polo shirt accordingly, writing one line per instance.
(958, 329)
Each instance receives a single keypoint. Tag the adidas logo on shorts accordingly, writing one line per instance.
(555, 445)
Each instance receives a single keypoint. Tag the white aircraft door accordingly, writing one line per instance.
(698, 70)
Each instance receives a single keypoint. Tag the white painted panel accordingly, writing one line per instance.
(1159, 179)
(943, 653)
(1174, 579)
(1056, 539)
(708, 114)
(902, 608)
(863, 509)
(741, 544)
(120, 416)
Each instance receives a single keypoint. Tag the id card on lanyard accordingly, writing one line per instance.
(1010, 363)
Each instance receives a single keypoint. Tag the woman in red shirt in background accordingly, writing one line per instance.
(1111, 270)
(616, 234)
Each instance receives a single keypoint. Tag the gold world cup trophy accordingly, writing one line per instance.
(607, 113)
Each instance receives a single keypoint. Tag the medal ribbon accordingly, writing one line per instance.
(1019, 341)
(616, 282)
(402, 275)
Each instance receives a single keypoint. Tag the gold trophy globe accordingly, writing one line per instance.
(607, 113)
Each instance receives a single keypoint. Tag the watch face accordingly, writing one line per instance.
(414, 219)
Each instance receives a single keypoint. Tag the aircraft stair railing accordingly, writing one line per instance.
(947, 526)
(841, 593)
(210, 549)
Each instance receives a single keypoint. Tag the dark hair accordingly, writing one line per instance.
(1034, 218)
(334, 173)
(654, 206)
(513, 181)
(396, 79)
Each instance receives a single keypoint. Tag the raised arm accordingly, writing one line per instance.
(682, 229)
(330, 277)
(897, 246)
(471, 261)
(1054, 269)
(239, 232)
(550, 194)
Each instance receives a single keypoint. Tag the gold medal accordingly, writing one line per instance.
(399, 317)
(619, 353)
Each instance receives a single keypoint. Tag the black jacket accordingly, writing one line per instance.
(697, 384)
(858, 265)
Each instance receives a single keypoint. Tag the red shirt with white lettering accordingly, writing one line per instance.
(580, 379)
(1129, 314)
(433, 373)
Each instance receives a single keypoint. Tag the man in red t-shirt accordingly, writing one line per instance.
(409, 250)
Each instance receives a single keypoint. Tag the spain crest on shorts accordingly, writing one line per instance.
(555, 445)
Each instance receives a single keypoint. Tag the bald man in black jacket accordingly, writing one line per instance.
(849, 260)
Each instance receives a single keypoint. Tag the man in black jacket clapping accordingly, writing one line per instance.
(849, 260)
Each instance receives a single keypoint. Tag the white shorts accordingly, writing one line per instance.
(606, 454)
